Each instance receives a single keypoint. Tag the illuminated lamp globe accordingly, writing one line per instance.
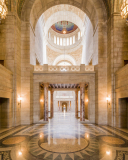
(3, 9)
(64, 32)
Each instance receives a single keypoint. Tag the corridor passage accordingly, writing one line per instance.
(63, 138)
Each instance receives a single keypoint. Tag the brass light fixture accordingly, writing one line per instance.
(64, 31)
(3, 9)
(124, 10)
(108, 100)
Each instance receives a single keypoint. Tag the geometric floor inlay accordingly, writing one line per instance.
(64, 138)
(13, 140)
(65, 145)
(112, 140)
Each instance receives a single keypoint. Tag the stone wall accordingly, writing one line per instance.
(6, 97)
(52, 55)
(26, 76)
(121, 95)
(64, 79)
(11, 54)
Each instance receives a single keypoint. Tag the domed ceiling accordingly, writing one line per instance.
(64, 27)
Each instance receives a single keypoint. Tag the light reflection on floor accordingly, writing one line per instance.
(64, 138)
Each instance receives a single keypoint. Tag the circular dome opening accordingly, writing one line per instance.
(64, 27)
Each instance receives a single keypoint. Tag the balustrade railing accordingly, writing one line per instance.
(46, 68)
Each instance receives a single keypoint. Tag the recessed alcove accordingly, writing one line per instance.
(123, 112)
(4, 115)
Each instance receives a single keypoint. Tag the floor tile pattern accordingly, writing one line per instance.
(13, 140)
(64, 138)
(113, 140)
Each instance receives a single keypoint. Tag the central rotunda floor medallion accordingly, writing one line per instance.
(65, 145)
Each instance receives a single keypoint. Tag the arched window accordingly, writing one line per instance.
(64, 64)
(67, 41)
(58, 41)
(55, 39)
(78, 35)
(61, 41)
(64, 42)
(73, 39)
(70, 40)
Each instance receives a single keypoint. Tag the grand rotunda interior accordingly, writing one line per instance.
(63, 79)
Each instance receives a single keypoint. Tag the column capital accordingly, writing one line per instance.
(51, 90)
(82, 85)
(77, 89)
(46, 85)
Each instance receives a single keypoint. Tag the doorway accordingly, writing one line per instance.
(4, 115)
(64, 107)
(123, 113)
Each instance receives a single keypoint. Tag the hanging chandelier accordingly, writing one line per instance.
(3, 9)
(124, 10)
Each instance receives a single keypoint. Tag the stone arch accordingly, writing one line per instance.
(62, 58)
(117, 5)
(63, 16)
(37, 7)
(97, 14)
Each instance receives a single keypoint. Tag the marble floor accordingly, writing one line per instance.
(64, 138)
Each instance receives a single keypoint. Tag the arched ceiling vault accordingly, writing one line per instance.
(22, 3)
(49, 12)
(63, 16)
(35, 8)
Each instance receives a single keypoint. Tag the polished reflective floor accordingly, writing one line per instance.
(64, 138)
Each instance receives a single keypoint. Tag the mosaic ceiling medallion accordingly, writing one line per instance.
(64, 27)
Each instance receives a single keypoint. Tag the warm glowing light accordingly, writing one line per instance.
(20, 153)
(41, 100)
(64, 32)
(87, 135)
(3, 9)
(87, 100)
(124, 10)
(108, 152)
(108, 98)
(41, 135)
(19, 98)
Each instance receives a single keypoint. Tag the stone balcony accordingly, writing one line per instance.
(63, 69)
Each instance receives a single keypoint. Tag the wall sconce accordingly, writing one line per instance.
(108, 100)
(20, 153)
(41, 100)
(108, 152)
(19, 100)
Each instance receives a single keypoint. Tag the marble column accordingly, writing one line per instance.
(82, 102)
(76, 101)
(59, 105)
(45, 101)
(52, 103)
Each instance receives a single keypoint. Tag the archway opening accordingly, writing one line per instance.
(80, 40)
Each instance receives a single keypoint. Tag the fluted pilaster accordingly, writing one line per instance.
(82, 102)
(45, 101)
